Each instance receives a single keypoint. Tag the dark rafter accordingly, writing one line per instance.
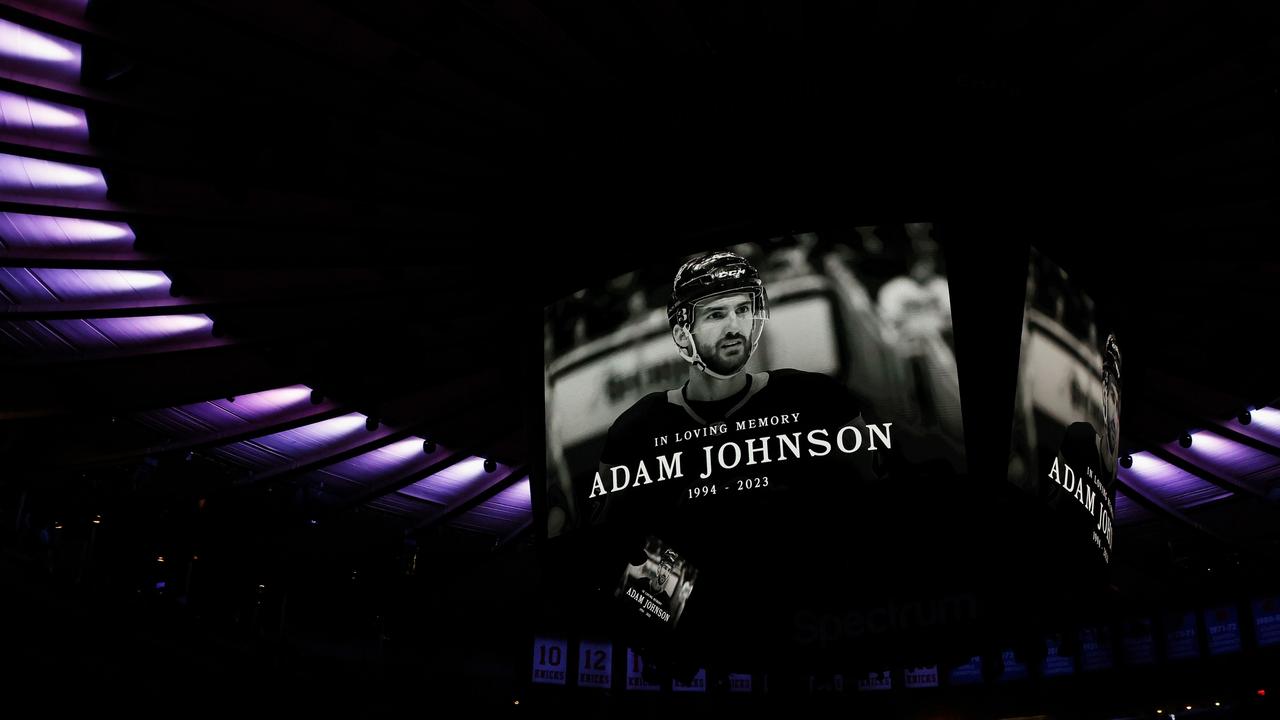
(74, 153)
(517, 532)
(402, 481)
(1203, 420)
(272, 297)
(279, 422)
(78, 259)
(208, 375)
(44, 19)
(60, 151)
(327, 251)
(461, 408)
(340, 217)
(86, 209)
(1160, 507)
(159, 167)
(1227, 431)
(471, 500)
(76, 95)
(86, 309)
(330, 455)
(1208, 475)
(175, 352)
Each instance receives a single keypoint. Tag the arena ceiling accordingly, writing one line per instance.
(301, 244)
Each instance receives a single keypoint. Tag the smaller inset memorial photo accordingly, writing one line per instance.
(658, 585)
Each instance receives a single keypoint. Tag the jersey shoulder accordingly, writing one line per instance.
(644, 418)
(790, 380)
(642, 412)
(810, 389)
(791, 377)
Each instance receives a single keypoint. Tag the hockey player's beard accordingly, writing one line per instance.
(716, 360)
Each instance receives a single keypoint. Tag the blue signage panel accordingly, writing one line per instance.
(1095, 649)
(697, 684)
(1222, 625)
(635, 673)
(1266, 621)
(1055, 663)
(1139, 643)
(595, 664)
(1014, 668)
(876, 681)
(550, 660)
(1181, 641)
(969, 673)
(921, 677)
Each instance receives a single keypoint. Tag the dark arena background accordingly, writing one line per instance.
(315, 315)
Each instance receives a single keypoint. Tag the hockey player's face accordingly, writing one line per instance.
(1111, 413)
(722, 329)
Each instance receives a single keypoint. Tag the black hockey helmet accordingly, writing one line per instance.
(711, 274)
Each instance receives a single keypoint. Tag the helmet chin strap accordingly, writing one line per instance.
(695, 359)
(708, 371)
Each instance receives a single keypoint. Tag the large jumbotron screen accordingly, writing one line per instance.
(1066, 430)
(731, 412)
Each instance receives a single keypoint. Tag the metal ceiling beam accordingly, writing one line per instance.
(188, 168)
(344, 216)
(78, 310)
(331, 455)
(1236, 436)
(283, 297)
(370, 441)
(175, 352)
(1201, 419)
(206, 257)
(471, 500)
(177, 114)
(464, 403)
(204, 376)
(75, 94)
(49, 20)
(1226, 483)
(55, 151)
(279, 249)
(520, 530)
(78, 259)
(87, 209)
(1160, 507)
(402, 481)
(279, 422)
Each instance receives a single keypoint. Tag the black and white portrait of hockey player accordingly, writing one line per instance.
(723, 422)
(749, 380)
